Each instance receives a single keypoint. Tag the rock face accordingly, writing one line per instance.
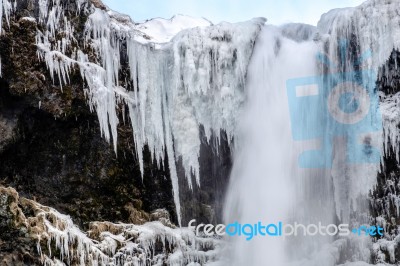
(16, 245)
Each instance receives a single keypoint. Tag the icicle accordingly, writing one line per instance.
(1, 15)
(172, 94)
(111, 244)
(5, 9)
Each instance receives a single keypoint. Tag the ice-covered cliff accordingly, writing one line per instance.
(372, 32)
(367, 38)
(173, 88)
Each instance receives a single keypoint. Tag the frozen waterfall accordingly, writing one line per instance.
(201, 77)
(265, 173)
(323, 171)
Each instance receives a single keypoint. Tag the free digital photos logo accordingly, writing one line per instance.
(336, 105)
(280, 229)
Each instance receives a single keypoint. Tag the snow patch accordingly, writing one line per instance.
(161, 30)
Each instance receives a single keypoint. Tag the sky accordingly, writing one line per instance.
(276, 11)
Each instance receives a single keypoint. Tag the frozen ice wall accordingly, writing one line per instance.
(369, 33)
(197, 78)
(373, 25)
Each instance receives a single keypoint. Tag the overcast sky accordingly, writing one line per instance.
(276, 11)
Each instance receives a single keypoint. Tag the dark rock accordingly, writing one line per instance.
(16, 247)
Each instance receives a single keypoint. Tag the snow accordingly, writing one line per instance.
(30, 19)
(161, 30)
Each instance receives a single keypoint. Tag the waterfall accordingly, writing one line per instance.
(264, 173)
(297, 158)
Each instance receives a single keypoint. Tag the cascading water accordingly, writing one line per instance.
(269, 183)
(265, 165)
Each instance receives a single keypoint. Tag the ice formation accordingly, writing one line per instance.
(61, 242)
(122, 244)
(390, 107)
(370, 32)
(373, 27)
(5, 10)
(195, 79)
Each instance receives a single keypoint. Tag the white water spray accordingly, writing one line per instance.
(265, 168)
(268, 184)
